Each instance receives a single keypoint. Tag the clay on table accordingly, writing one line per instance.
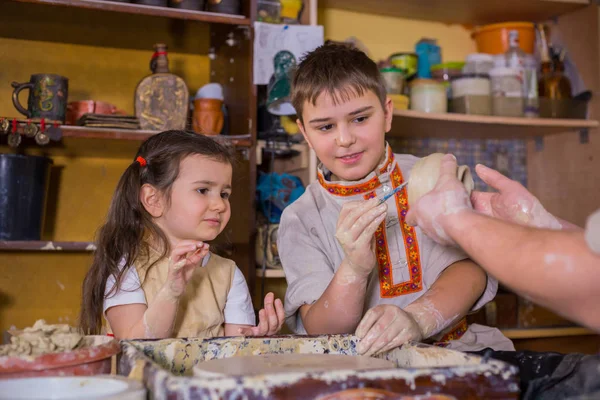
(425, 173)
(42, 338)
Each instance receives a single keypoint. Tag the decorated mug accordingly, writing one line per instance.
(47, 97)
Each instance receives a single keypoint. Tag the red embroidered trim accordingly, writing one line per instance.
(456, 333)
(387, 288)
(370, 185)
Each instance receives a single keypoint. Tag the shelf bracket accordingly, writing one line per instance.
(539, 143)
(584, 136)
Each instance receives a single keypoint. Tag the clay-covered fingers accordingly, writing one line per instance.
(187, 252)
(482, 202)
(347, 208)
(448, 168)
(495, 179)
(372, 326)
(358, 219)
(274, 314)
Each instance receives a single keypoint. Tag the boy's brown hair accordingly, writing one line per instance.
(339, 70)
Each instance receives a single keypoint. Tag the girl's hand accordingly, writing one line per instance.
(270, 318)
(184, 259)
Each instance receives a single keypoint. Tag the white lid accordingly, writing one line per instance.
(504, 71)
(479, 57)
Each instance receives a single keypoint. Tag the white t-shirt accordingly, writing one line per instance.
(238, 307)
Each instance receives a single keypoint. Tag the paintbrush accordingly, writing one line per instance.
(393, 192)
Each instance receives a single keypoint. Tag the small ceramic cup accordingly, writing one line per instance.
(425, 173)
(208, 116)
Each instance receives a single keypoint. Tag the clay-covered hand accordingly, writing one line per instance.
(270, 318)
(184, 259)
(512, 202)
(385, 327)
(356, 226)
(449, 196)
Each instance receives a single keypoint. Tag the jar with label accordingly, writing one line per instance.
(429, 96)
(507, 92)
(394, 79)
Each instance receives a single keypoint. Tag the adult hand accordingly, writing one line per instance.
(449, 196)
(512, 202)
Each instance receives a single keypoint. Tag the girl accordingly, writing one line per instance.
(153, 275)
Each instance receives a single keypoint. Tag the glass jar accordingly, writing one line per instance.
(507, 92)
(479, 63)
(394, 79)
(445, 72)
(429, 96)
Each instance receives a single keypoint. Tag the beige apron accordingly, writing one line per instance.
(200, 312)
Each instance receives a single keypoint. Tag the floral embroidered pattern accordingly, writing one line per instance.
(387, 288)
(456, 333)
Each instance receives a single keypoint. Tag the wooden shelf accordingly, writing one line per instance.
(546, 332)
(103, 142)
(34, 245)
(270, 273)
(82, 132)
(472, 12)
(416, 124)
(138, 9)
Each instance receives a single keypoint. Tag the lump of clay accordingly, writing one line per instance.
(425, 173)
(42, 338)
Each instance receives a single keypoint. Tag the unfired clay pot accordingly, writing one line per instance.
(425, 173)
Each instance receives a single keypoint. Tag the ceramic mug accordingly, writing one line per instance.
(425, 173)
(208, 116)
(47, 97)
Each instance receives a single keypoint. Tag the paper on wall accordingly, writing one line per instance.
(271, 38)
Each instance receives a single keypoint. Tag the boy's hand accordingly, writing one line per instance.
(512, 202)
(184, 259)
(270, 318)
(356, 226)
(385, 327)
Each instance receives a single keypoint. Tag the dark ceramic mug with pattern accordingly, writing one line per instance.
(47, 97)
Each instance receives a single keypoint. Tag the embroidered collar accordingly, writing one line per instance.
(369, 183)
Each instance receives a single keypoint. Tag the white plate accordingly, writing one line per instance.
(99, 387)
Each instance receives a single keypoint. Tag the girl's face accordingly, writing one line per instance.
(199, 208)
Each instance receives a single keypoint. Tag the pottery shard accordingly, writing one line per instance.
(42, 338)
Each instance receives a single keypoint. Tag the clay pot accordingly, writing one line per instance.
(425, 173)
(93, 359)
(208, 116)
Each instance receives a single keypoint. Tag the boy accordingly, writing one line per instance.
(343, 255)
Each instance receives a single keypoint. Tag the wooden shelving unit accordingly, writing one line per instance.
(46, 246)
(152, 11)
(546, 332)
(470, 12)
(409, 123)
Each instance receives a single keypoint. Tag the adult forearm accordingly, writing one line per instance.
(553, 268)
(449, 299)
(340, 308)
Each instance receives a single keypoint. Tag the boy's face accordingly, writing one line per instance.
(348, 137)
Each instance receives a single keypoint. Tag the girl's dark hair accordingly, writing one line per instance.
(128, 222)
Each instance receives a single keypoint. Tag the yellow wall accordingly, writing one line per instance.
(48, 285)
(387, 35)
(98, 73)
